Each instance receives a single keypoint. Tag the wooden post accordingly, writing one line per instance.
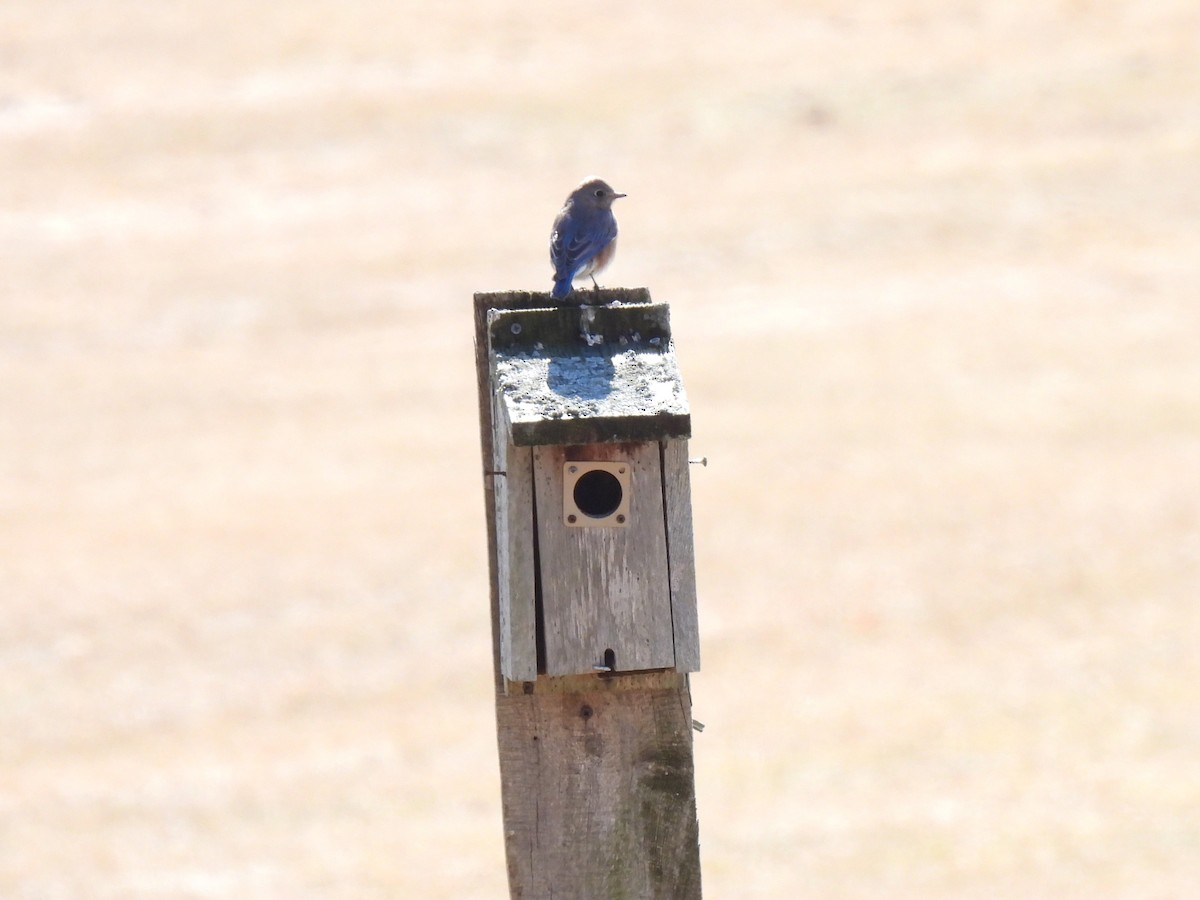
(597, 777)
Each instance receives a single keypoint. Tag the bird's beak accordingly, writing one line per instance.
(617, 196)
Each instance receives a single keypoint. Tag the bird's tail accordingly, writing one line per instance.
(561, 289)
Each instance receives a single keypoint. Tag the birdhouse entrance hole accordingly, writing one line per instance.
(595, 494)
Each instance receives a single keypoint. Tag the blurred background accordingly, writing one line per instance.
(933, 270)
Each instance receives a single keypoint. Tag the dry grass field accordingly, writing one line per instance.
(933, 270)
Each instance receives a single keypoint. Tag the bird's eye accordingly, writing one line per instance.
(599, 192)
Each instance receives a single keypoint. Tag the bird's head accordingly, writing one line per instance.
(596, 192)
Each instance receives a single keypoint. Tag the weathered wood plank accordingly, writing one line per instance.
(627, 325)
(543, 300)
(514, 523)
(677, 503)
(483, 382)
(599, 796)
(602, 429)
(604, 588)
(659, 679)
(573, 375)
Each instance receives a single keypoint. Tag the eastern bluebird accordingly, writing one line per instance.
(585, 235)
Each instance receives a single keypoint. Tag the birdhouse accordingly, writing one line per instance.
(592, 499)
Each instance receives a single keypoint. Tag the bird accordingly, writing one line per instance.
(584, 238)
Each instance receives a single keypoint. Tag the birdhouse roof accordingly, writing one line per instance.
(588, 374)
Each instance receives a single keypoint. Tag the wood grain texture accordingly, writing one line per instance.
(483, 382)
(604, 588)
(514, 539)
(677, 503)
(561, 326)
(599, 796)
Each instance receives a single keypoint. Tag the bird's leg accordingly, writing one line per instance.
(595, 287)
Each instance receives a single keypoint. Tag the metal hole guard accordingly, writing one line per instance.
(596, 494)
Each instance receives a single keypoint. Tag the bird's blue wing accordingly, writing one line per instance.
(575, 243)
